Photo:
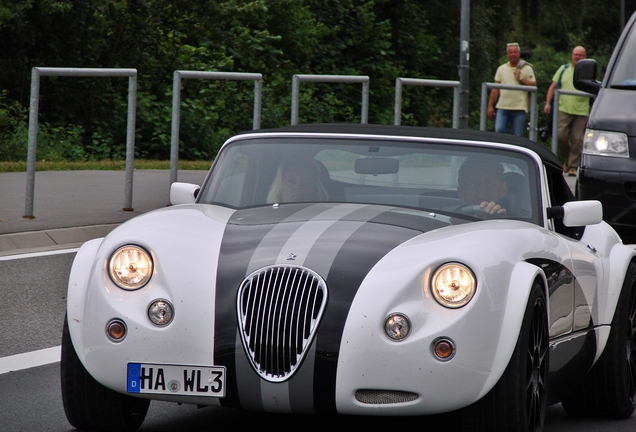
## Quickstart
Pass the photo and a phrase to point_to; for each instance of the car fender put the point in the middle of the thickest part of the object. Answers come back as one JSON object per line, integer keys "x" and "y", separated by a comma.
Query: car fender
{"x": 484, "y": 332}
{"x": 76, "y": 294}
{"x": 522, "y": 279}
{"x": 620, "y": 258}
{"x": 183, "y": 275}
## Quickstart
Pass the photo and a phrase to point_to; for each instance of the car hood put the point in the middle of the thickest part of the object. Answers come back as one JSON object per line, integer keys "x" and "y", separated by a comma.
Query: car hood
{"x": 614, "y": 110}
{"x": 340, "y": 242}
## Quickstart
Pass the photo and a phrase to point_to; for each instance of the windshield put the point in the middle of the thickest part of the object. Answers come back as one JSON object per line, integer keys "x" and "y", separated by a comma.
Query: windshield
{"x": 441, "y": 178}
{"x": 624, "y": 73}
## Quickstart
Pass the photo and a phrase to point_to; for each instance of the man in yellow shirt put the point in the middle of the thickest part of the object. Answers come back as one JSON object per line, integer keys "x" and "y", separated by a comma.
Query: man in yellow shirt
{"x": 512, "y": 105}
{"x": 573, "y": 114}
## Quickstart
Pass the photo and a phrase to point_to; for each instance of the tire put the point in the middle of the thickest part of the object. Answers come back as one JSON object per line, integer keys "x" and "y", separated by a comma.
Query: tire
{"x": 609, "y": 389}
{"x": 518, "y": 402}
{"x": 88, "y": 404}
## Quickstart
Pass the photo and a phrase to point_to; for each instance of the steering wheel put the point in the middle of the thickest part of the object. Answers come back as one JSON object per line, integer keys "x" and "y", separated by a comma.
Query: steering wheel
{"x": 478, "y": 212}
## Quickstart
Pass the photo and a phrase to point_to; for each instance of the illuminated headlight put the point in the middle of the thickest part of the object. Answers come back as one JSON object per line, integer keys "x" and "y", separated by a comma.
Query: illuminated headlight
{"x": 397, "y": 327}
{"x": 605, "y": 143}
{"x": 453, "y": 285}
{"x": 130, "y": 267}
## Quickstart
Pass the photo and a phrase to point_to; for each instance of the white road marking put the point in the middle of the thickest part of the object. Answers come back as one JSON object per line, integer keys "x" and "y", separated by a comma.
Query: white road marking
{"x": 38, "y": 254}
{"x": 34, "y": 358}
{"x": 29, "y": 360}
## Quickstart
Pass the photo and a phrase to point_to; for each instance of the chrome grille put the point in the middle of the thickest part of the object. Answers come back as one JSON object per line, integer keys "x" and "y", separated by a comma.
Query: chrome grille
{"x": 279, "y": 309}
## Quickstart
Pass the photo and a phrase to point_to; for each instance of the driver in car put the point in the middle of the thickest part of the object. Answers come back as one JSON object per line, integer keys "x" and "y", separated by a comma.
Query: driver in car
{"x": 480, "y": 183}
{"x": 297, "y": 180}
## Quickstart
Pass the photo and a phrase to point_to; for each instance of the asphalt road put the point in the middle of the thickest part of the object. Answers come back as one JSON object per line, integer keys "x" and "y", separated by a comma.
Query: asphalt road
{"x": 30, "y": 401}
{"x": 33, "y": 290}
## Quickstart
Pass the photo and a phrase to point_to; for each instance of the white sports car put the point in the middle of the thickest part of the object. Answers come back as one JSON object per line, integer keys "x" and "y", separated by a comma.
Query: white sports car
{"x": 362, "y": 270}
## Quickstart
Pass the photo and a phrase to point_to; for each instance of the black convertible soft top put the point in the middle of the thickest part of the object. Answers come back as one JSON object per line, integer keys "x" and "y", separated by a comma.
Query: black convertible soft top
{"x": 424, "y": 132}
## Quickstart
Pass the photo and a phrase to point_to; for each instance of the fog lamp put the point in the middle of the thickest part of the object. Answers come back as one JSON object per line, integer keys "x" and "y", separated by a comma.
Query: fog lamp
{"x": 160, "y": 312}
{"x": 116, "y": 330}
{"x": 397, "y": 327}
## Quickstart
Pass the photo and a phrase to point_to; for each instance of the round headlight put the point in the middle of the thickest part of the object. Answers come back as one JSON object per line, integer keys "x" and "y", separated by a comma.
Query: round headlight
{"x": 453, "y": 285}
{"x": 130, "y": 267}
{"x": 602, "y": 143}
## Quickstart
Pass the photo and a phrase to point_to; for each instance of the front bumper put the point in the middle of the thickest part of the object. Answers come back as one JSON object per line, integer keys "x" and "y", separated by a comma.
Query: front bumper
{"x": 612, "y": 182}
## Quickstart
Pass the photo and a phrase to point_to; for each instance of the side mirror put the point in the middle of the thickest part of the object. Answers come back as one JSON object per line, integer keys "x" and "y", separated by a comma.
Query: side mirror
{"x": 578, "y": 213}
{"x": 183, "y": 193}
{"x": 585, "y": 73}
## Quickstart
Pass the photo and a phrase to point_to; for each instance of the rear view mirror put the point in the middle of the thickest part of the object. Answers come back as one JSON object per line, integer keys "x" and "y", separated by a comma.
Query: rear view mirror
{"x": 377, "y": 165}
{"x": 585, "y": 73}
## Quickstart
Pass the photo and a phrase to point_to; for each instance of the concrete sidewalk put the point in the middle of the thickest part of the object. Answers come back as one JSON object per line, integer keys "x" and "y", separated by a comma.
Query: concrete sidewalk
{"x": 71, "y": 207}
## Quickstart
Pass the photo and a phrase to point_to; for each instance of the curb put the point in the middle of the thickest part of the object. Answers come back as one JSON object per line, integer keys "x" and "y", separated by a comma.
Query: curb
{"x": 35, "y": 241}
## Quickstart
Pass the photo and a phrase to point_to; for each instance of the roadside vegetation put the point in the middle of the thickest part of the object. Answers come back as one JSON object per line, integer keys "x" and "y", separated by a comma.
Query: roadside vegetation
{"x": 107, "y": 165}
{"x": 83, "y": 120}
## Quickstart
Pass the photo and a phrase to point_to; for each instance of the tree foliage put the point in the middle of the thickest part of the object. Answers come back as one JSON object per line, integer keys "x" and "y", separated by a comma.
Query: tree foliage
{"x": 382, "y": 39}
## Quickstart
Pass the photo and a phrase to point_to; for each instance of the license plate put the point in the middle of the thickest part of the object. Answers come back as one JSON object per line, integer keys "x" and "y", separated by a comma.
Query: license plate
{"x": 176, "y": 379}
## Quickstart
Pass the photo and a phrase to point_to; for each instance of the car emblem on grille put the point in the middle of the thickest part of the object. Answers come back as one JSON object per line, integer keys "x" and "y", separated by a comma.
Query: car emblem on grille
{"x": 291, "y": 256}
{"x": 279, "y": 309}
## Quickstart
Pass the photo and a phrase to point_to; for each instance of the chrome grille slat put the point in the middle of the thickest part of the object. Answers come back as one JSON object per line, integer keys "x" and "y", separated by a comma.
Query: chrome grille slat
{"x": 279, "y": 309}
{"x": 288, "y": 288}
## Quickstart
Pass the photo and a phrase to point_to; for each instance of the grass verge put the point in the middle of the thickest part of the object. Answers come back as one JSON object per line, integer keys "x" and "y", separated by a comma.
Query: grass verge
{"x": 108, "y": 165}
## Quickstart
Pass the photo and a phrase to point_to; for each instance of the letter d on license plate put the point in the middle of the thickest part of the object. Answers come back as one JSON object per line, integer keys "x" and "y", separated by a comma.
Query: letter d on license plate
{"x": 176, "y": 379}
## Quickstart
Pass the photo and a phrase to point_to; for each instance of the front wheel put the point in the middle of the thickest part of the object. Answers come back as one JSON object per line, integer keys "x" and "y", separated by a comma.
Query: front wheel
{"x": 518, "y": 402}
{"x": 88, "y": 404}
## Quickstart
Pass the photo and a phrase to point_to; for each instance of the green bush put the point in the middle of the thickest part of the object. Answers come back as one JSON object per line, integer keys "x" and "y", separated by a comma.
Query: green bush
{"x": 13, "y": 129}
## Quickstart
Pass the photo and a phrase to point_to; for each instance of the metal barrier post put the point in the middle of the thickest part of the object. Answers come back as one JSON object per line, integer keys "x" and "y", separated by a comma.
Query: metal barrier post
{"x": 176, "y": 105}
{"x": 555, "y": 114}
{"x": 296, "y": 79}
{"x": 532, "y": 133}
{"x": 428, "y": 83}
{"x": 36, "y": 73}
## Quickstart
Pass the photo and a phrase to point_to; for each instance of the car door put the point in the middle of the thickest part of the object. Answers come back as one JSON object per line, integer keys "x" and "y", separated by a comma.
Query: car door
{"x": 584, "y": 266}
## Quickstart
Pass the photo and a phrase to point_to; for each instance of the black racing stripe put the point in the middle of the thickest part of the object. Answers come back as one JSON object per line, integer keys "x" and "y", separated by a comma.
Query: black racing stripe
{"x": 237, "y": 248}
{"x": 243, "y": 233}
{"x": 354, "y": 260}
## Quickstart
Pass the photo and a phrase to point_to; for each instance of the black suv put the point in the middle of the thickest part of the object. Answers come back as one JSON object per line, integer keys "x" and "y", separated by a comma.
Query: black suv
{"x": 608, "y": 163}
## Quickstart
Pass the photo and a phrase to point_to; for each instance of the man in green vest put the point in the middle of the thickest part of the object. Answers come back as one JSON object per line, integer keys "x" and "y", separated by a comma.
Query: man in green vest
{"x": 573, "y": 113}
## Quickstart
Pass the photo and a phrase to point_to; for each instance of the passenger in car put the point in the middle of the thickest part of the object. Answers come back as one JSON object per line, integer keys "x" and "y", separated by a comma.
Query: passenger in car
{"x": 480, "y": 182}
{"x": 297, "y": 180}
